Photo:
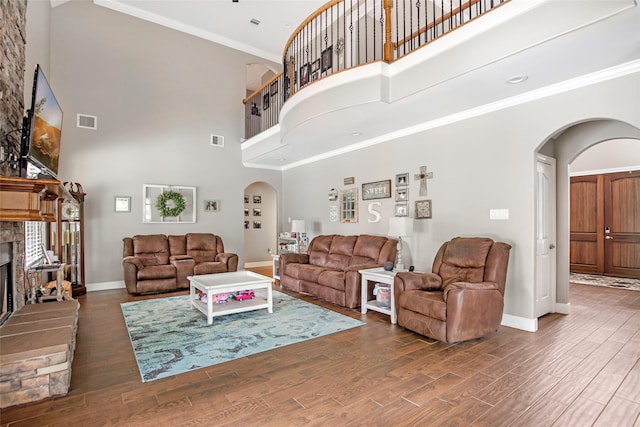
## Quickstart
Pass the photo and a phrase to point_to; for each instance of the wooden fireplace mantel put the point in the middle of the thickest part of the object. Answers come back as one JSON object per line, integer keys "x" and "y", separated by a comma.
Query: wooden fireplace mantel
{"x": 23, "y": 199}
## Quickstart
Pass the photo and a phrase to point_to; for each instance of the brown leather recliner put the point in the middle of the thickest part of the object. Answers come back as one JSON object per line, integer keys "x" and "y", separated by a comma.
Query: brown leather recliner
{"x": 462, "y": 298}
{"x": 160, "y": 263}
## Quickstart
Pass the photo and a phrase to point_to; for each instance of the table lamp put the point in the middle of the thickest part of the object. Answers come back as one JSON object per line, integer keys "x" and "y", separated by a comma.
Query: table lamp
{"x": 400, "y": 226}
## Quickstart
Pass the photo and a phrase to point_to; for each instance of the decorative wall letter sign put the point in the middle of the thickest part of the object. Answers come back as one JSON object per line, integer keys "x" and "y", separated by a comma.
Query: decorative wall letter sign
{"x": 375, "y": 213}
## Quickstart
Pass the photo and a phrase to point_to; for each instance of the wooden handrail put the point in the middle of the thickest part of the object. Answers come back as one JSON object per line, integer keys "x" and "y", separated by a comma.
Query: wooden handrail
{"x": 304, "y": 23}
{"x": 257, "y": 91}
{"x": 438, "y": 21}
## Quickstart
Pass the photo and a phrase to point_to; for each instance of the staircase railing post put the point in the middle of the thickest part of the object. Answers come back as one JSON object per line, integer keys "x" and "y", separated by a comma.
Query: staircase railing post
{"x": 388, "y": 43}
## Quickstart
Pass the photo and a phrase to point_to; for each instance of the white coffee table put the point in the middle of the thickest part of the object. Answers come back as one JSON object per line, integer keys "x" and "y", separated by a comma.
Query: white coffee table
{"x": 235, "y": 281}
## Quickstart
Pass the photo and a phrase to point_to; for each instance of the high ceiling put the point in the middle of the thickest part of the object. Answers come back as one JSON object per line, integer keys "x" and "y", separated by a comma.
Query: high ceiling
{"x": 226, "y": 22}
{"x": 558, "y": 45}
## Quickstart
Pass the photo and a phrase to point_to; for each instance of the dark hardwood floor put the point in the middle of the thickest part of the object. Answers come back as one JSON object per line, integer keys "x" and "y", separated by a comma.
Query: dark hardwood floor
{"x": 579, "y": 369}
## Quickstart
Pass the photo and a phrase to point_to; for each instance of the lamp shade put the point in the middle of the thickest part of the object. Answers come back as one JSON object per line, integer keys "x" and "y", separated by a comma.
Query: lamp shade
{"x": 400, "y": 226}
{"x": 297, "y": 226}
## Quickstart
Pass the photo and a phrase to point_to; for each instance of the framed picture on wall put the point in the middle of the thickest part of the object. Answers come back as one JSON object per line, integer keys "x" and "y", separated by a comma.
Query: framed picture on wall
{"x": 402, "y": 180}
{"x": 402, "y": 194}
{"x": 257, "y": 199}
{"x": 423, "y": 209}
{"x": 327, "y": 58}
{"x": 211, "y": 205}
{"x": 402, "y": 209}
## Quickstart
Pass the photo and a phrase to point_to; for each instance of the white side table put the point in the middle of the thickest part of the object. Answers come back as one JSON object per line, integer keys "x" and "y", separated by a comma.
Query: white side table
{"x": 276, "y": 267}
{"x": 379, "y": 275}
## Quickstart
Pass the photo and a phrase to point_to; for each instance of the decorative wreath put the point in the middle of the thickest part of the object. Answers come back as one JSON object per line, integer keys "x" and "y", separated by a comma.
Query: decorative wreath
{"x": 176, "y": 198}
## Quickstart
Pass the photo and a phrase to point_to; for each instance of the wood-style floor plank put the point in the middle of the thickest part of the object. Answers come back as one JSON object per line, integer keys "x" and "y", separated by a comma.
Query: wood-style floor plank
{"x": 580, "y": 369}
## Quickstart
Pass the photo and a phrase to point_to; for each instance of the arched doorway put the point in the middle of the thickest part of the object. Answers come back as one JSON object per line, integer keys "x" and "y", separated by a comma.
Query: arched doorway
{"x": 565, "y": 147}
{"x": 260, "y": 224}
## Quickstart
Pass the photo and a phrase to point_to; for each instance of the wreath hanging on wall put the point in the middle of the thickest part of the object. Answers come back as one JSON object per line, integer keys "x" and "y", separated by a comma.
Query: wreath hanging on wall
{"x": 168, "y": 198}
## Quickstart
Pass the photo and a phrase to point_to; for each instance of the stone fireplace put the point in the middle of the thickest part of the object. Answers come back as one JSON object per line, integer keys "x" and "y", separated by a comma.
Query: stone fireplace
{"x": 6, "y": 281}
{"x": 12, "y": 257}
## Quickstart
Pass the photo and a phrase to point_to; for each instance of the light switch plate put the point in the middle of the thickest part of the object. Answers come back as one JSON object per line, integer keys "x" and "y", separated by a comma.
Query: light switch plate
{"x": 498, "y": 213}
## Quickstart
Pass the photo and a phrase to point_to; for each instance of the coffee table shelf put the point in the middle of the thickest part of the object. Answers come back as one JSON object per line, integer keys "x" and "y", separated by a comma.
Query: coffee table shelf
{"x": 219, "y": 283}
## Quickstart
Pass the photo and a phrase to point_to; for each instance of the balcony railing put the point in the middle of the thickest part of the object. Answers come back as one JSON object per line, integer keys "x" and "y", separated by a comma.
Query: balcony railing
{"x": 344, "y": 34}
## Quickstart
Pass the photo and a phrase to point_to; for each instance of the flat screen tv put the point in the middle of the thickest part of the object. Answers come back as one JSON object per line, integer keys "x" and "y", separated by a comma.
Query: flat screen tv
{"x": 42, "y": 128}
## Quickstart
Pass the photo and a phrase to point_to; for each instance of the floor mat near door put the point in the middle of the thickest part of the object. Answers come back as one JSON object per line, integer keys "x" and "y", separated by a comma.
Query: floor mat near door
{"x": 607, "y": 281}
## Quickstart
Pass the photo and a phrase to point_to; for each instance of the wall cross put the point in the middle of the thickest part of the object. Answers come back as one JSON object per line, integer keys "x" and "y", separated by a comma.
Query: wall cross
{"x": 423, "y": 176}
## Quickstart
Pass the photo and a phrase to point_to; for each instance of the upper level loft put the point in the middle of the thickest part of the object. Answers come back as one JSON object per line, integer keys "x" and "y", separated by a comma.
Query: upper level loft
{"x": 361, "y": 72}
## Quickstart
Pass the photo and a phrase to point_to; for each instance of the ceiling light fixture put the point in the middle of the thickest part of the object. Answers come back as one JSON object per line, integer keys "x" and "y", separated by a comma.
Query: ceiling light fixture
{"x": 517, "y": 79}
{"x": 255, "y": 21}
{"x": 356, "y": 133}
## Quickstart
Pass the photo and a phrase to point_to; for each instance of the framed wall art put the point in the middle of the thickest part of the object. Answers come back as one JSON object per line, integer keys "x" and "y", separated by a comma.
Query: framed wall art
{"x": 327, "y": 58}
{"x": 349, "y": 206}
{"x": 402, "y": 194}
{"x": 211, "y": 205}
{"x": 402, "y": 179}
{"x": 376, "y": 190}
{"x": 402, "y": 209}
{"x": 423, "y": 209}
{"x": 168, "y": 203}
{"x": 122, "y": 204}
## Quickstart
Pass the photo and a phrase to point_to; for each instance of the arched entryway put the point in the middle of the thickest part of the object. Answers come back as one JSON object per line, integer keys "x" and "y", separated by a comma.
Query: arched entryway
{"x": 260, "y": 224}
{"x": 565, "y": 147}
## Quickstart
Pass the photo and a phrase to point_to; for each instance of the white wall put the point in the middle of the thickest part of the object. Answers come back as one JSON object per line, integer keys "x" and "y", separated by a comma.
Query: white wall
{"x": 478, "y": 164}
{"x": 158, "y": 95}
{"x": 38, "y": 48}
{"x": 261, "y": 243}
{"x": 608, "y": 156}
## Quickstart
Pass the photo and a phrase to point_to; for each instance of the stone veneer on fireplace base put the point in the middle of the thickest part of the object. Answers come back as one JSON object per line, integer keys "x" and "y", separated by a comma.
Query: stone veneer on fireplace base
{"x": 36, "y": 350}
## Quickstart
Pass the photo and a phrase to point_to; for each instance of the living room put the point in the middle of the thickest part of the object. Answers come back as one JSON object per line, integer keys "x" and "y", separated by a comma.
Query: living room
{"x": 158, "y": 95}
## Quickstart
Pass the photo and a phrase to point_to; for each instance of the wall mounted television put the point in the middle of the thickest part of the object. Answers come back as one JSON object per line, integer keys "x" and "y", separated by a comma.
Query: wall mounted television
{"x": 41, "y": 130}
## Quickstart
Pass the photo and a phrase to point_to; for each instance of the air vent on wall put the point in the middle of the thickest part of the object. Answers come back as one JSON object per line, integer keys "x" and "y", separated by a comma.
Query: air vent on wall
{"x": 86, "y": 121}
{"x": 217, "y": 140}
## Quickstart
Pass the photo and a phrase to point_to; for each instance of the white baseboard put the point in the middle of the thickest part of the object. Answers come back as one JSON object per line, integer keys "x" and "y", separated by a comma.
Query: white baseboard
{"x": 517, "y": 322}
{"x": 105, "y": 286}
{"x": 258, "y": 264}
{"x": 562, "y": 308}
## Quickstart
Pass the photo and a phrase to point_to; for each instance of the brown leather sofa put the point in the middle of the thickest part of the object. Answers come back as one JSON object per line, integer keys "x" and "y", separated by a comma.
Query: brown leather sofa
{"x": 160, "y": 263}
{"x": 330, "y": 268}
{"x": 462, "y": 298}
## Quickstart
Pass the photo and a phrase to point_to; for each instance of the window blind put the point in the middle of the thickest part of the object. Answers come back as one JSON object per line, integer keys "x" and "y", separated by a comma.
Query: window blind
{"x": 32, "y": 241}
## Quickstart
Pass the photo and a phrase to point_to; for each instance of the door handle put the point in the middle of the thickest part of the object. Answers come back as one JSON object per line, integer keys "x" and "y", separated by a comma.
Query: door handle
{"x": 608, "y": 237}
{"x": 552, "y": 246}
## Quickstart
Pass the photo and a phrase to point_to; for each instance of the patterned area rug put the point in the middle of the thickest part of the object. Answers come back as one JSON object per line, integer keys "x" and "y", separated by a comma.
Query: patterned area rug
{"x": 607, "y": 281}
{"x": 170, "y": 337}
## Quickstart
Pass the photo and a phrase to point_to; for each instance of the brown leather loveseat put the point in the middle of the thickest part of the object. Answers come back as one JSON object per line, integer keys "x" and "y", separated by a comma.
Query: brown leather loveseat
{"x": 462, "y": 298}
{"x": 160, "y": 263}
{"x": 330, "y": 268}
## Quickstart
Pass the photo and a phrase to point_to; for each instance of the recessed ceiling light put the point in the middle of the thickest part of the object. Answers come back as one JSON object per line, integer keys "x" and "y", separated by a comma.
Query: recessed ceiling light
{"x": 255, "y": 21}
{"x": 517, "y": 79}
{"x": 282, "y": 159}
{"x": 356, "y": 133}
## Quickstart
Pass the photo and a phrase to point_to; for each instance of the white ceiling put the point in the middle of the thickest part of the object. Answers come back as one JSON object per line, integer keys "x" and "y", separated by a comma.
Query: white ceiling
{"x": 226, "y": 22}
{"x": 557, "y": 44}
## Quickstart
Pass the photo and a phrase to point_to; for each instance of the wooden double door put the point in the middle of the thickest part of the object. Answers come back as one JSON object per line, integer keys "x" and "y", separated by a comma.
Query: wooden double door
{"x": 605, "y": 224}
